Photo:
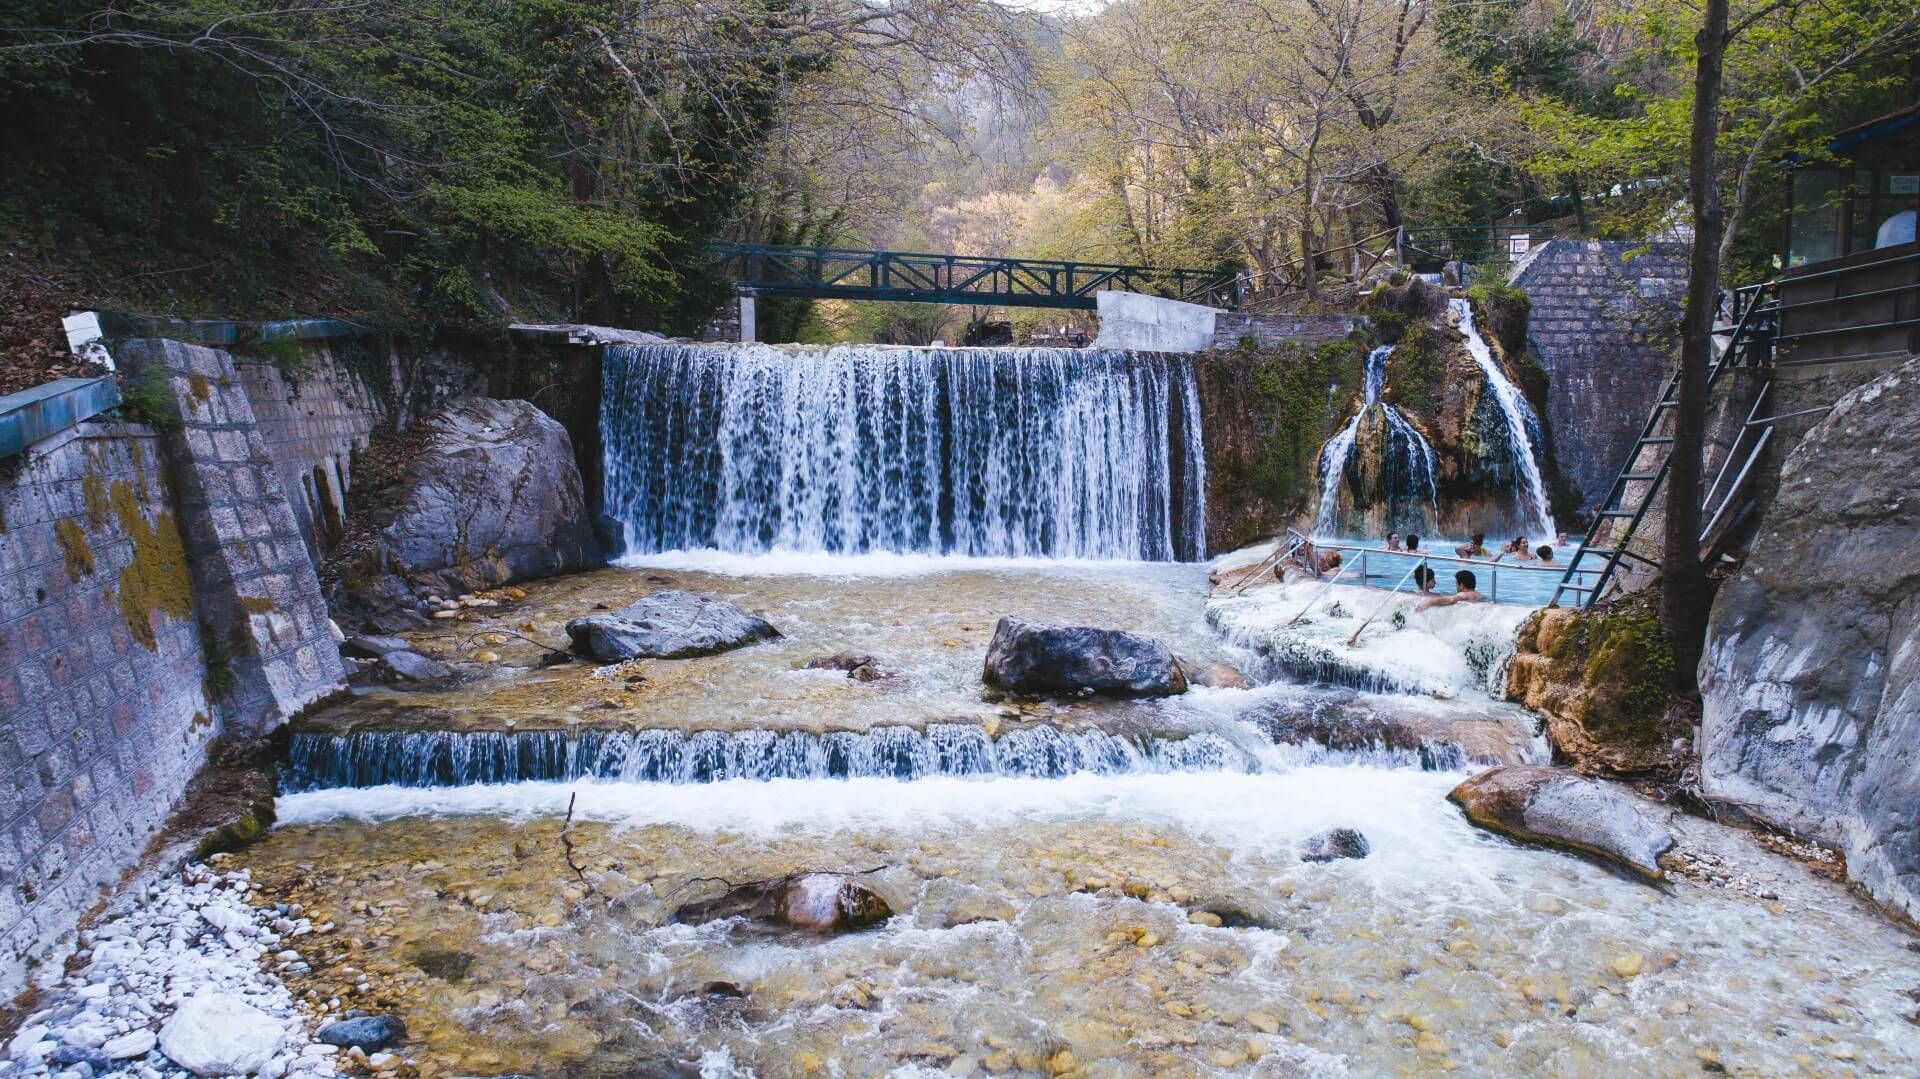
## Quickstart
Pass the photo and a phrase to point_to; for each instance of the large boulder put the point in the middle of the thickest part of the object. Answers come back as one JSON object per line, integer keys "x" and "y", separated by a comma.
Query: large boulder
{"x": 1810, "y": 682}
{"x": 1542, "y": 805}
{"x": 1027, "y": 657}
{"x": 489, "y": 495}
{"x": 667, "y": 625}
{"x": 215, "y": 1033}
{"x": 1599, "y": 679}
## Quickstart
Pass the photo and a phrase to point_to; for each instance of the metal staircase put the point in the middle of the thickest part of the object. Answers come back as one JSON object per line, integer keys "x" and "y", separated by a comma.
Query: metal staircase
{"x": 1748, "y": 331}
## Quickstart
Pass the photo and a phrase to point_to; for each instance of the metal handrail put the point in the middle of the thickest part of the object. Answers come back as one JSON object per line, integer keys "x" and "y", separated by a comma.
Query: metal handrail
{"x": 1355, "y": 639}
{"x": 1567, "y": 571}
{"x": 1344, "y": 567}
{"x": 1261, "y": 567}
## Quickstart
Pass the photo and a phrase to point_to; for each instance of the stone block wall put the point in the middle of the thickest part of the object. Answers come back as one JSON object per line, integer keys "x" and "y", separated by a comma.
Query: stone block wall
{"x": 1269, "y": 330}
{"x": 1604, "y": 323}
{"x": 254, "y": 580}
{"x": 311, "y": 425}
{"x": 103, "y": 705}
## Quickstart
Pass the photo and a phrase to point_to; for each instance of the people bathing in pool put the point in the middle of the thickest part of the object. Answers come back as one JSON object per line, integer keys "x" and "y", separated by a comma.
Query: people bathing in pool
{"x": 1476, "y": 549}
{"x": 1517, "y": 550}
{"x": 1546, "y": 555}
{"x": 1311, "y": 561}
{"x": 1393, "y": 542}
{"x": 1423, "y": 578}
{"x": 1413, "y": 542}
{"x": 1464, "y": 591}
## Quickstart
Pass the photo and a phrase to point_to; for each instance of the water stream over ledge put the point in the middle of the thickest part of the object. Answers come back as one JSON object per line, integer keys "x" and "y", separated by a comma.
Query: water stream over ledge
{"x": 1055, "y": 867}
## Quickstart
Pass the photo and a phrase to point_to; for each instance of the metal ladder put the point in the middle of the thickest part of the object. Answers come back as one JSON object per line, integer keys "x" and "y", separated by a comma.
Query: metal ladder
{"x": 1749, "y": 333}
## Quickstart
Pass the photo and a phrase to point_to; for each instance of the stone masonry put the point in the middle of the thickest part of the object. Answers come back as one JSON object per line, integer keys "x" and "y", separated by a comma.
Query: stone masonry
{"x": 103, "y": 710}
{"x": 254, "y": 581}
{"x": 1269, "y": 330}
{"x": 311, "y": 426}
{"x": 1605, "y": 316}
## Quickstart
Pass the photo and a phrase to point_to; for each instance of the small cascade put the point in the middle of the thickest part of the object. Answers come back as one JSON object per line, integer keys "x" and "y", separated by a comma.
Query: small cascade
{"x": 1522, "y": 427}
{"x": 461, "y": 758}
{"x": 1394, "y": 472}
{"x": 1008, "y": 452}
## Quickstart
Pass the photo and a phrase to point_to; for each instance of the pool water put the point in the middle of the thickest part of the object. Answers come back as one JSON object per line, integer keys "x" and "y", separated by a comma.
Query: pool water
{"x": 1529, "y": 584}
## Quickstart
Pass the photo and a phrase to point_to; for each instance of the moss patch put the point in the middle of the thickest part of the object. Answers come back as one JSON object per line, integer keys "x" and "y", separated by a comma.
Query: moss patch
{"x": 1629, "y": 666}
{"x": 256, "y": 604}
{"x": 197, "y": 386}
{"x": 93, "y": 490}
{"x": 73, "y": 547}
{"x": 155, "y": 580}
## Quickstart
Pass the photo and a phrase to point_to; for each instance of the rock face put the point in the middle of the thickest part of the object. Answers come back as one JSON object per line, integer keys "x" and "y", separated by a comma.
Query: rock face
{"x": 492, "y": 496}
{"x": 1028, "y": 657}
{"x": 1599, "y": 680}
{"x": 1541, "y": 805}
{"x": 667, "y": 625}
{"x": 817, "y": 902}
{"x": 1810, "y": 683}
{"x": 217, "y": 1034}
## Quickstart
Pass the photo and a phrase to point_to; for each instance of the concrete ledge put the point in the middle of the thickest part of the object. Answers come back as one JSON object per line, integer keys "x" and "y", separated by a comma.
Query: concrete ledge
{"x": 222, "y": 332}
{"x": 33, "y": 415}
{"x": 581, "y": 334}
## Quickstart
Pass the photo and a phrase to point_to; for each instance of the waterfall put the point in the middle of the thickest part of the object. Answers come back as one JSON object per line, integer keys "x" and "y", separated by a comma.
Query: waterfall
{"x": 1027, "y": 452}
{"x": 1523, "y": 427}
{"x": 1406, "y": 463}
{"x": 459, "y": 758}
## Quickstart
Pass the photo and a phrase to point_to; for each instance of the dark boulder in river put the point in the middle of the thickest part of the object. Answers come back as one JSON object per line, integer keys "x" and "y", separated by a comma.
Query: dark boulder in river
{"x": 818, "y": 902}
{"x": 1810, "y": 686}
{"x": 667, "y": 625}
{"x": 1027, "y": 657}
{"x": 1542, "y": 805}
{"x": 1334, "y": 844}
{"x": 489, "y": 495}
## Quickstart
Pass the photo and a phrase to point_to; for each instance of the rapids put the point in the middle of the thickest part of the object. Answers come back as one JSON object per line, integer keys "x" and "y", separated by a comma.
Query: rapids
{"x": 1056, "y": 868}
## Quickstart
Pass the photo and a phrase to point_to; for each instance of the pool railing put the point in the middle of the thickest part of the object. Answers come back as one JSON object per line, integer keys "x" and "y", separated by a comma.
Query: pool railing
{"x": 1547, "y": 576}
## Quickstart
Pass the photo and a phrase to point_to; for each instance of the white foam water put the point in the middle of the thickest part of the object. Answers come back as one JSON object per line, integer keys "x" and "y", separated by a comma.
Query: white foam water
{"x": 1024, "y": 453}
{"x": 1418, "y": 838}
{"x": 1522, "y": 424}
{"x": 1408, "y": 468}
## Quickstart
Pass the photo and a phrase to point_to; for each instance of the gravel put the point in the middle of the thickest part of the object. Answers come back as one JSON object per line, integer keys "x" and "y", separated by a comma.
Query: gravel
{"x": 193, "y": 937}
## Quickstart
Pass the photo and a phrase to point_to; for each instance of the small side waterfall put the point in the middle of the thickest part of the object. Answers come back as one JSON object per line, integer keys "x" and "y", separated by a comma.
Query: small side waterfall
{"x": 460, "y": 758}
{"x": 1031, "y": 452}
{"x": 1523, "y": 426}
{"x": 1400, "y": 474}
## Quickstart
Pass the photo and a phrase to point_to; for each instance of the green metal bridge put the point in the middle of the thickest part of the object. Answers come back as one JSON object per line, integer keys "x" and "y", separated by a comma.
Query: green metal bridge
{"x": 853, "y": 274}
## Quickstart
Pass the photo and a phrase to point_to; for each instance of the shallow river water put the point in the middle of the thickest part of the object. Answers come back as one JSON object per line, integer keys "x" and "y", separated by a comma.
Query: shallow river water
{"x": 1042, "y": 925}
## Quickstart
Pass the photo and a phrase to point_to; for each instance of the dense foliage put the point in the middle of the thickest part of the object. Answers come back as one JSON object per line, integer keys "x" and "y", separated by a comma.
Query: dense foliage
{"x": 410, "y": 158}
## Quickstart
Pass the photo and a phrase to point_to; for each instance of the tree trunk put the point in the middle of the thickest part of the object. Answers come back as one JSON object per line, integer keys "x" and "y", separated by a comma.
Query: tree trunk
{"x": 1683, "y": 579}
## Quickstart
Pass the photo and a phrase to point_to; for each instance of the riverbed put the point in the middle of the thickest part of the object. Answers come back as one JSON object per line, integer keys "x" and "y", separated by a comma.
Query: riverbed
{"x": 1151, "y": 920}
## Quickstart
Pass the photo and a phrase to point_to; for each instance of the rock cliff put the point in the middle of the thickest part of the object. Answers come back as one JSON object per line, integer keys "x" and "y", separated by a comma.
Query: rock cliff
{"x": 1811, "y": 702}
{"x": 488, "y": 495}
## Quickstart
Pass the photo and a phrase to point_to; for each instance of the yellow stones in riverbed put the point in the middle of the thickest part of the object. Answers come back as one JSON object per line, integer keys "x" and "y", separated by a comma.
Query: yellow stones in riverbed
{"x": 1628, "y": 964}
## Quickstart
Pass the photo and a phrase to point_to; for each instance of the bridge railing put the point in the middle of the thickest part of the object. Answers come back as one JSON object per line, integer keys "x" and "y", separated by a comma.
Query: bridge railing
{"x": 850, "y": 273}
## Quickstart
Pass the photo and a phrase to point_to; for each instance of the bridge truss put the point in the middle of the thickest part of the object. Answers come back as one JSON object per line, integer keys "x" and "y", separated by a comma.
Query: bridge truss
{"x": 852, "y": 274}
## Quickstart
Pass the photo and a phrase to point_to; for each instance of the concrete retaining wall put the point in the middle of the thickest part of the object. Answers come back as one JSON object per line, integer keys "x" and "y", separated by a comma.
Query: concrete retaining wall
{"x": 1604, "y": 326}
{"x": 102, "y": 677}
{"x": 1130, "y": 320}
{"x": 311, "y": 425}
{"x": 254, "y": 580}
{"x": 1266, "y": 331}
